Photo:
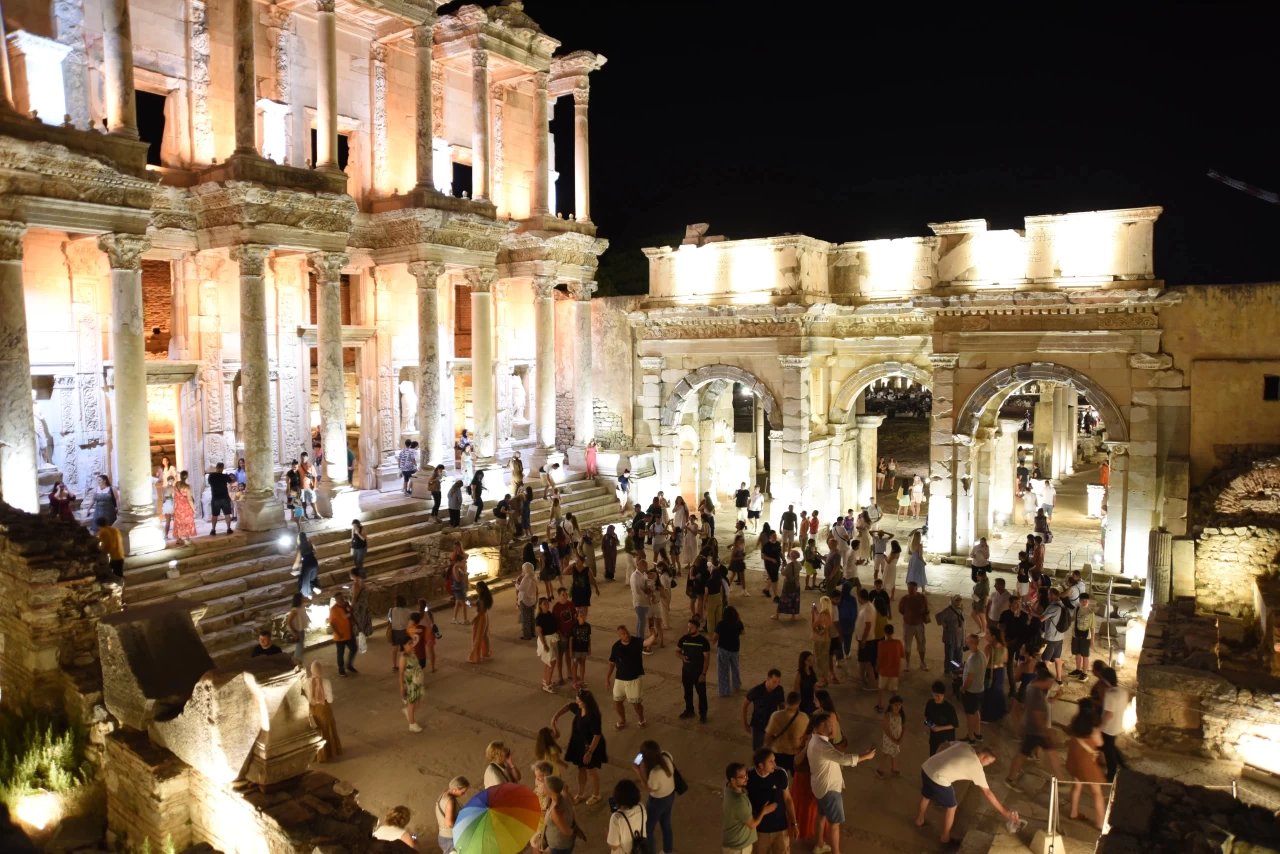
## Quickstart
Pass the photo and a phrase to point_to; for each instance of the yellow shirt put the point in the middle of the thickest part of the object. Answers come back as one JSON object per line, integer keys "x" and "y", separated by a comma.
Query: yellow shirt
{"x": 112, "y": 543}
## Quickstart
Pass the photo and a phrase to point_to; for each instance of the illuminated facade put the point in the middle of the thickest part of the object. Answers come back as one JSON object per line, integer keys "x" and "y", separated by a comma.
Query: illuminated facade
{"x": 341, "y": 217}
{"x": 1071, "y": 303}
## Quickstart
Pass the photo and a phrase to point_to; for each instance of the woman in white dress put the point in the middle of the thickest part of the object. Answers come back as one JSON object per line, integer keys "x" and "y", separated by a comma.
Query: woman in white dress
{"x": 468, "y": 465}
{"x": 890, "y": 574}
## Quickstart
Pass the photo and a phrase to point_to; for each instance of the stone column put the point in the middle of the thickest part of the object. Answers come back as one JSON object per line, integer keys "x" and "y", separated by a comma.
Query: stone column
{"x": 18, "y": 463}
{"x": 982, "y": 456}
{"x": 1060, "y": 429}
{"x": 333, "y": 410}
{"x": 246, "y": 81}
{"x": 280, "y": 28}
{"x": 963, "y": 494}
{"x": 1073, "y": 416}
{"x": 584, "y": 425}
{"x": 199, "y": 80}
{"x": 581, "y": 157}
{"x": 480, "y": 125}
{"x": 1113, "y": 553}
{"x": 868, "y": 443}
{"x": 1004, "y": 466}
{"x": 6, "y": 76}
{"x": 128, "y": 348}
{"x": 378, "y": 118}
{"x": 794, "y": 488}
{"x": 777, "y": 477}
{"x": 327, "y": 94}
{"x": 482, "y": 395}
{"x": 426, "y": 274}
{"x": 942, "y": 456}
{"x": 541, "y": 182}
{"x": 425, "y": 136}
{"x": 836, "y": 494}
{"x": 760, "y": 434}
{"x": 544, "y": 407}
{"x": 260, "y": 510}
{"x": 647, "y": 415}
{"x": 117, "y": 69}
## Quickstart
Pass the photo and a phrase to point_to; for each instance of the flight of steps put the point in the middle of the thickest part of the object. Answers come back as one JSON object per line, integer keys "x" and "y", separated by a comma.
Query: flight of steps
{"x": 243, "y": 586}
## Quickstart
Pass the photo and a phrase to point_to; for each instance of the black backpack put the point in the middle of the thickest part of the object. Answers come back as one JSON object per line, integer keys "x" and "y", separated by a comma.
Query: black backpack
{"x": 1064, "y": 617}
{"x": 639, "y": 842}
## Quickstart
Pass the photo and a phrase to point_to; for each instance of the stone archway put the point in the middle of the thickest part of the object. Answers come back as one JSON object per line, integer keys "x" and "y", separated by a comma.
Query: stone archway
{"x": 841, "y": 409}
{"x": 967, "y": 421}
{"x": 671, "y": 410}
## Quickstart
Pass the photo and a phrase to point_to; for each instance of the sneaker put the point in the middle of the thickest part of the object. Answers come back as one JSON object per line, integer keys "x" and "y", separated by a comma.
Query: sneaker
{"x": 548, "y": 688}
{"x": 924, "y": 667}
{"x": 414, "y": 728}
{"x": 647, "y": 651}
{"x": 822, "y": 849}
{"x": 879, "y": 710}
{"x": 978, "y": 736}
{"x": 1082, "y": 678}
{"x": 351, "y": 669}
{"x": 702, "y": 719}
{"x": 1012, "y": 784}
{"x": 685, "y": 715}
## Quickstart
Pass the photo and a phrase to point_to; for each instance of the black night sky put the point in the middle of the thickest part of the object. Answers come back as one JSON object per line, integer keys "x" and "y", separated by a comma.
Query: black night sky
{"x": 848, "y": 121}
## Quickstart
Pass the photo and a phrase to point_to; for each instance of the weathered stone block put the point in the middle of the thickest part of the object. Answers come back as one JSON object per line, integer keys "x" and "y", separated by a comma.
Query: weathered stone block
{"x": 1167, "y": 379}
{"x": 1150, "y": 361}
{"x": 1107, "y": 362}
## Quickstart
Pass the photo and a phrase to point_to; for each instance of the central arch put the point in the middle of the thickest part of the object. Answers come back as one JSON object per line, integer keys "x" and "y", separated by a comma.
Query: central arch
{"x": 971, "y": 413}
{"x": 842, "y": 405}
{"x": 671, "y": 410}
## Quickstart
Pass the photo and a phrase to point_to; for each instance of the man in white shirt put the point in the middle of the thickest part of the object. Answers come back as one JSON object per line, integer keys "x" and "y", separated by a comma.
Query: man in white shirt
{"x": 1048, "y": 495}
{"x": 864, "y": 634}
{"x": 1114, "y": 703}
{"x": 1052, "y": 636}
{"x": 826, "y": 780}
{"x": 641, "y": 599}
{"x": 939, "y": 774}
{"x": 998, "y": 603}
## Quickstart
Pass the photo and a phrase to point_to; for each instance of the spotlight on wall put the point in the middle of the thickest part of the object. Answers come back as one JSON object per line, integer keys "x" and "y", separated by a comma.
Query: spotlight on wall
{"x": 172, "y": 571}
{"x": 38, "y": 810}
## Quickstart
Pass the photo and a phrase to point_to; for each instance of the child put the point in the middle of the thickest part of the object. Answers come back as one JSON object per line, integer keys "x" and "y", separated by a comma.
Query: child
{"x": 296, "y": 508}
{"x": 580, "y": 649}
{"x": 1081, "y": 637}
{"x": 430, "y": 632}
{"x": 940, "y": 718}
{"x": 889, "y": 655}
{"x": 545, "y": 748}
{"x": 1024, "y": 574}
{"x": 895, "y": 724}
{"x": 812, "y": 561}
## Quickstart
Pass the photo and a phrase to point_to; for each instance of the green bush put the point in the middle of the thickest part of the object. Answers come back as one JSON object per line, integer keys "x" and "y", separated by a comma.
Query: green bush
{"x": 38, "y": 751}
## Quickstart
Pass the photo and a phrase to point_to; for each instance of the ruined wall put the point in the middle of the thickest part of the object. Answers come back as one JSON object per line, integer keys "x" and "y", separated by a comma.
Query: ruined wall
{"x": 612, "y": 366}
{"x": 1227, "y": 562}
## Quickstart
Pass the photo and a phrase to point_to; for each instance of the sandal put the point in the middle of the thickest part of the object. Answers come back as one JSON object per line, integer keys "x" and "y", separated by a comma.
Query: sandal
{"x": 620, "y": 725}
{"x": 642, "y": 724}
{"x": 594, "y": 799}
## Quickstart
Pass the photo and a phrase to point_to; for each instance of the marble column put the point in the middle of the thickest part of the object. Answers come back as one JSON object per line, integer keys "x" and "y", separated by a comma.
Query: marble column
{"x": 246, "y": 80}
{"x": 794, "y": 448}
{"x": 117, "y": 69}
{"x": 540, "y": 185}
{"x": 1073, "y": 420}
{"x": 581, "y": 157}
{"x": 260, "y": 510}
{"x": 544, "y": 407}
{"x": 835, "y": 471}
{"x": 327, "y": 91}
{"x": 983, "y": 457}
{"x": 868, "y": 443}
{"x": 1004, "y": 466}
{"x": 378, "y": 119}
{"x": 427, "y": 274}
{"x": 18, "y": 463}
{"x": 132, "y": 439}
{"x": 425, "y": 135}
{"x": 1060, "y": 429}
{"x": 480, "y": 164}
{"x": 760, "y": 435}
{"x": 333, "y": 409}
{"x": 482, "y": 394}
{"x": 6, "y": 78}
{"x": 1113, "y": 553}
{"x": 942, "y": 456}
{"x": 584, "y": 422}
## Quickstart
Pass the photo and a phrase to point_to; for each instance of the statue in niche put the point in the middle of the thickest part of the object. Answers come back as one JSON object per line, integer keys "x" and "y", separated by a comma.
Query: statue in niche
{"x": 408, "y": 407}
{"x": 44, "y": 441}
{"x": 518, "y": 398}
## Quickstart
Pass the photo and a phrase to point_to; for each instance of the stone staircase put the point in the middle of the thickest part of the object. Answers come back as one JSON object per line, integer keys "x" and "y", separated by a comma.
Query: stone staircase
{"x": 241, "y": 585}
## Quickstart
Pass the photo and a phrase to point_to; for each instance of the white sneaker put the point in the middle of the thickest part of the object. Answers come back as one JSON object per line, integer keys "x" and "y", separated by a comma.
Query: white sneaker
{"x": 414, "y": 728}
{"x": 821, "y": 849}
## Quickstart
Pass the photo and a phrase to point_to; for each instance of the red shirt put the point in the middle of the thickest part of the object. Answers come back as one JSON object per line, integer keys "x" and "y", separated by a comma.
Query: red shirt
{"x": 889, "y": 658}
{"x": 565, "y": 614}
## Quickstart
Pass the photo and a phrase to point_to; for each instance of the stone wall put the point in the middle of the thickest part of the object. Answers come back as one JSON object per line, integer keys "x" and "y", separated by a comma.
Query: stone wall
{"x": 1151, "y": 815}
{"x": 1228, "y": 561}
{"x": 609, "y": 426}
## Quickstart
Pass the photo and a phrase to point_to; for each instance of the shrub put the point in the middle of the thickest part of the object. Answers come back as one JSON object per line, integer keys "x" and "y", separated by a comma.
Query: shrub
{"x": 38, "y": 751}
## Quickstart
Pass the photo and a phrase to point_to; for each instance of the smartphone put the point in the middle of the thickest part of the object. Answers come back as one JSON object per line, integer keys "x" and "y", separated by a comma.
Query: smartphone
{"x": 639, "y": 756}
{"x": 613, "y": 805}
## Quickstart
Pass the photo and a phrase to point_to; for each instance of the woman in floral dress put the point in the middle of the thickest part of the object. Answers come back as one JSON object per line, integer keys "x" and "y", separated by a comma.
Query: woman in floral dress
{"x": 184, "y": 511}
{"x": 410, "y": 682}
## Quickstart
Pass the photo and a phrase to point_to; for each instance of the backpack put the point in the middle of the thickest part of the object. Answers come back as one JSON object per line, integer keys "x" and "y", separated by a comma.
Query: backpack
{"x": 639, "y": 843}
{"x": 1063, "y": 622}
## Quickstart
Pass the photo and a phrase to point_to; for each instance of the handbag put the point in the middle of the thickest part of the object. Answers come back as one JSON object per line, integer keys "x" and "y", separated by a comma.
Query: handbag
{"x": 678, "y": 780}
{"x": 362, "y": 643}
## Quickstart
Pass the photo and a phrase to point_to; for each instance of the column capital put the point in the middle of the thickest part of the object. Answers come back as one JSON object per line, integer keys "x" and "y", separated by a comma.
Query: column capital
{"x": 426, "y": 272}
{"x": 1117, "y": 448}
{"x": 582, "y": 290}
{"x": 481, "y": 279}
{"x": 124, "y": 251}
{"x": 775, "y": 435}
{"x": 944, "y": 360}
{"x": 795, "y": 362}
{"x": 377, "y": 51}
{"x": 11, "y": 234}
{"x": 325, "y": 6}
{"x": 984, "y": 434}
{"x": 581, "y": 96}
{"x": 251, "y": 257}
{"x": 479, "y": 58}
{"x": 279, "y": 17}
{"x": 868, "y": 420}
{"x": 328, "y": 265}
{"x": 424, "y": 33}
{"x": 540, "y": 80}
{"x": 544, "y": 287}
{"x": 652, "y": 364}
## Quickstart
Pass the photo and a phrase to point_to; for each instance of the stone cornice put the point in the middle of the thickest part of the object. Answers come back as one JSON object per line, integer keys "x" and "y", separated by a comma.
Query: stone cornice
{"x": 242, "y": 205}
{"x": 429, "y": 226}
{"x": 52, "y": 171}
{"x": 1098, "y": 300}
{"x": 569, "y": 247}
{"x": 505, "y": 30}
{"x": 802, "y": 241}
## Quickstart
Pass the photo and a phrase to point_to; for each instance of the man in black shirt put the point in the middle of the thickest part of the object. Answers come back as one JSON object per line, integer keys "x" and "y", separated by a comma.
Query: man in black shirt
{"x": 1023, "y": 475}
{"x": 764, "y": 699}
{"x": 788, "y": 524}
{"x": 265, "y": 646}
{"x": 1016, "y": 625}
{"x": 530, "y": 554}
{"x": 503, "y": 508}
{"x": 219, "y": 497}
{"x": 940, "y": 717}
{"x": 771, "y": 554}
{"x": 695, "y": 651}
{"x": 627, "y": 659}
{"x": 293, "y": 480}
{"x": 769, "y": 784}
{"x": 741, "y": 500}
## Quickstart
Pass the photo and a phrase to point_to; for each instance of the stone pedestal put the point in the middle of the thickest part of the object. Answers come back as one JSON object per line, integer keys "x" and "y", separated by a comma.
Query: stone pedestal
{"x": 260, "y": 510}
{"x": 868, "y": 443}
{"x": 132, "y": 440}
{"x": 17, "y": 419}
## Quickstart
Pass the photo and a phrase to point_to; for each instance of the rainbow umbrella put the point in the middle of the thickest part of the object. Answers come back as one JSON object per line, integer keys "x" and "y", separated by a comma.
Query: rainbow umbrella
{"x": 499, "y": 820}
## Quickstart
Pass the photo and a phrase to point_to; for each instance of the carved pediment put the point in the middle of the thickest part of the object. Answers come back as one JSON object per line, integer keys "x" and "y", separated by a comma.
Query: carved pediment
{"x": 238, "y": 203}
{"x": 412, "y": 226}
{"x": 53, "y": 171}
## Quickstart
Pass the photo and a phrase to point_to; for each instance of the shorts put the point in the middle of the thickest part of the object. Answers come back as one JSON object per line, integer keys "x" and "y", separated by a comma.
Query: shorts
{"x": 1080, "y": 646}
{"x": 1031, "y": 743}
{"x": 220, "y": 507}
{"x": 889, "y": 683}
{"x": 772, "y": 843}
{"x": 629, "y": 690}
{"x": 1052, "y": 650}
{"x": 753, "y": 514}
{"x": 579, "y": 655}
{"x": 943, "y": 796}
{"x": 867, "y": 652}
{"x": 831, "y": 807}
{"x": 298, "y": 512}
{"x": 399, "y": 636}
{"x": 562, "y": 646}
{"x": 971, "y": 701}
{"x": 810, "y": 570}
{"x": 308, "y": 496}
